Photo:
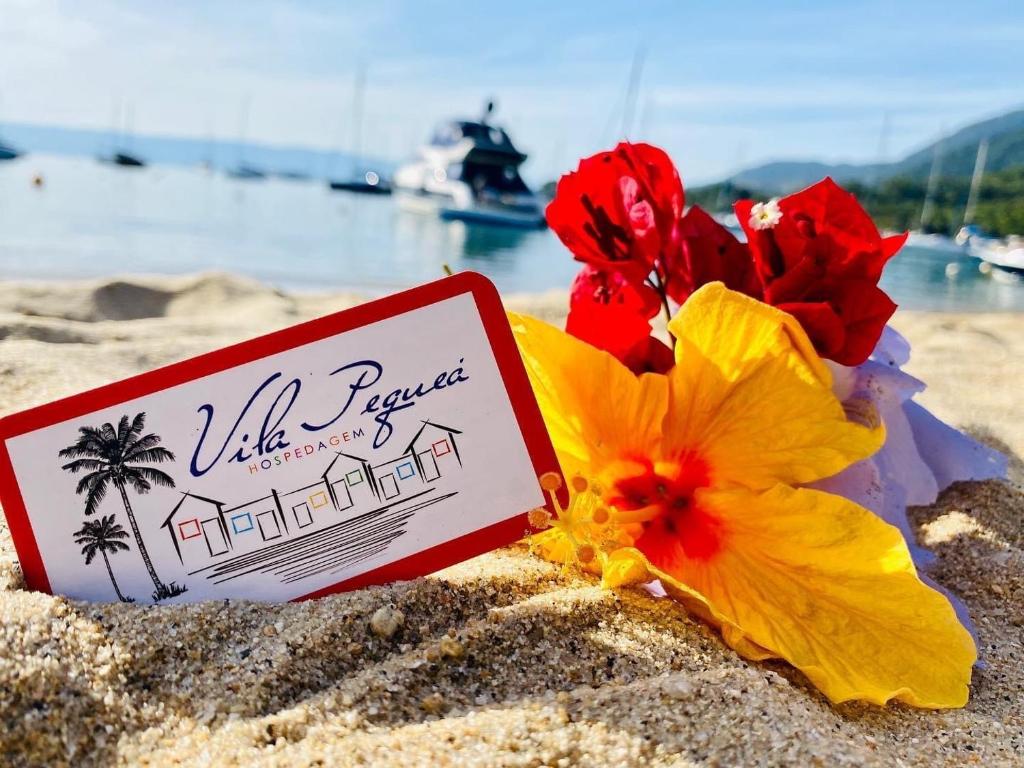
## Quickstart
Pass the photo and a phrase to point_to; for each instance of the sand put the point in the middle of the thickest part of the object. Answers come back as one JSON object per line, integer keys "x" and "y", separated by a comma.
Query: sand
{"x": 499, "y": 661}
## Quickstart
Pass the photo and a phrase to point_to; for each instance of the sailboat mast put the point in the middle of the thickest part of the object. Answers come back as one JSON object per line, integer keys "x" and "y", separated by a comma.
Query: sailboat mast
{"x": 129, "y": 125}
{"x": 358, "y": 88}
{"x": 933, "y": 182}
{"x": 979, "y": 172}
{"x": 629, "y": 107}
{"x": 243, "y": 124}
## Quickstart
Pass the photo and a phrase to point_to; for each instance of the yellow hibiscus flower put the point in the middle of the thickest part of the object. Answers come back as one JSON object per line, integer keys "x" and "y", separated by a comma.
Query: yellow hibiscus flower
{"x": 691, "y": 478}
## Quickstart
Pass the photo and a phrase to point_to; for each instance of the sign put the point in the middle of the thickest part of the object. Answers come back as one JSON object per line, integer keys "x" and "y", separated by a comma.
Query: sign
{"x": 376, "y": 444}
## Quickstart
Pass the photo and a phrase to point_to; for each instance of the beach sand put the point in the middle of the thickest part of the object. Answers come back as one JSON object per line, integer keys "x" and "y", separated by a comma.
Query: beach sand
{"x": 499, "y": 661}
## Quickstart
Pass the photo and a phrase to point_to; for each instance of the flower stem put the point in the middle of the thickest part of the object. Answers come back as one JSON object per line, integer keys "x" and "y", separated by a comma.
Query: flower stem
{"x": 659, "y": 286}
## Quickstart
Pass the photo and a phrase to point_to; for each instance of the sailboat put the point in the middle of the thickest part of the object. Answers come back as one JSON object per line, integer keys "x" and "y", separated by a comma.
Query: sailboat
{"x": 243, "y": 170}
{"x": 968, "y": 231}
{"x": 360, "y": 179}
{"x": 119, "y": 153}
{"x": 1005, "y": 255}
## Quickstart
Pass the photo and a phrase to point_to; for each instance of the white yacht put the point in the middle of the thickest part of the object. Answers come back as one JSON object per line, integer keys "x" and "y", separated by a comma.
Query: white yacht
{"x": 1007, "y": 255}
{"x": 469, "y": 171}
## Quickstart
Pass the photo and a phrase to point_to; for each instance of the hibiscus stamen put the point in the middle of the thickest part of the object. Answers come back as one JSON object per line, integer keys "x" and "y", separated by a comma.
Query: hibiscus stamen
{"x": 638, "y": 515}
{"x": 579, "y": 523}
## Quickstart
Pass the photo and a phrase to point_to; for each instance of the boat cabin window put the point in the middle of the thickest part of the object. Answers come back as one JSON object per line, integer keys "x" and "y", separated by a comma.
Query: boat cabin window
{"x": 446, "y": 135}
{"x": 489, "y": 176}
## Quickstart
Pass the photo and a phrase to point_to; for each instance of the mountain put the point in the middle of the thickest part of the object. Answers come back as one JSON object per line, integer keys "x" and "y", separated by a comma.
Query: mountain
{"x": 59, "y": 140}
{"x": 1006, "y": 150}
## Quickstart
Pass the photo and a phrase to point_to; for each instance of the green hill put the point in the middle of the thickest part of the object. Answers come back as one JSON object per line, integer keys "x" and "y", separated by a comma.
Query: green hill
{"x": 896, "y": 203}
{"x": 959, "y": 149}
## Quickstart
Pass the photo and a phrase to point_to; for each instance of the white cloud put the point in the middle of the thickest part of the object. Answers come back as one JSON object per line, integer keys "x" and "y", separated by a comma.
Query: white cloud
{"x": 186, "y": 70}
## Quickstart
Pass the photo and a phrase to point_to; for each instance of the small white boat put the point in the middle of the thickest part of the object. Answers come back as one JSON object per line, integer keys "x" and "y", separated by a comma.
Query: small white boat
{"x": 469, "y": 171}
{"x": 1007, "y": 255}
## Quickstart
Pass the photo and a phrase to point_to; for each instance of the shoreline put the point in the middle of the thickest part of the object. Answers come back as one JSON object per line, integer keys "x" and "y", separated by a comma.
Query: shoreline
{"x": 540, "y": 666}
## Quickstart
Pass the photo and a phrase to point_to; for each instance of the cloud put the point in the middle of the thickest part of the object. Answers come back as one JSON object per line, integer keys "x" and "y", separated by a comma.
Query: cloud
{"x": 558, "y": 71}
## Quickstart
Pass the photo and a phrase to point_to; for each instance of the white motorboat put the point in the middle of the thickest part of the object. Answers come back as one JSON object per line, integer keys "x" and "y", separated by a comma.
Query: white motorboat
{"x": 469, "y": 171}
{"x": 1007, "y": 255}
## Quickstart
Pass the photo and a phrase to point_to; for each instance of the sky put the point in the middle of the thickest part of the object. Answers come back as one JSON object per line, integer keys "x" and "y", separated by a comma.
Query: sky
{"x": 722, "y": 86}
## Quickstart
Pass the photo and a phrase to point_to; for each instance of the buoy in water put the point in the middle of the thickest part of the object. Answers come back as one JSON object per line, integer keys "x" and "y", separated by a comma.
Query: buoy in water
{"x": 985, "y": 268}
{"x": 952, "y": 270}
{"x": 38, "y": 180}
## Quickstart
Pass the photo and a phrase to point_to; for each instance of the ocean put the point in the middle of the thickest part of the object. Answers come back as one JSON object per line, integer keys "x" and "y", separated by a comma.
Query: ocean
{"x": 88, "y": 219}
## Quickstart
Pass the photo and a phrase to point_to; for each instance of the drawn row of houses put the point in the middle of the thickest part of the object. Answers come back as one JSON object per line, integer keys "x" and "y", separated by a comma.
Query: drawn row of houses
{"x": 204, "y": 530}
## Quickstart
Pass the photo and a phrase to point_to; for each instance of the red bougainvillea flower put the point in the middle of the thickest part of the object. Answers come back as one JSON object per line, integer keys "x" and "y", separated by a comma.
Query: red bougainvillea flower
{"x": 619, "y": 210}
{"x": 709, "y": 252}
{"x": 819, "y": 257}
{"x": 610, "y": 313}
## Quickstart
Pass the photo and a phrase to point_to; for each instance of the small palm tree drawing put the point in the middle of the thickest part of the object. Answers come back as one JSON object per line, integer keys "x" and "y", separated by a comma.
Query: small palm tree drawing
{"x": 119, "y": 457}
{"x": 103, "y": 536}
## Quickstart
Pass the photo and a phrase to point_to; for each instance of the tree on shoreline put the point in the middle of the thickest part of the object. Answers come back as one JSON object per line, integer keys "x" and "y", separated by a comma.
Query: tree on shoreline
{"x": 103, "y": 536}
{"x": 118, "y": 457}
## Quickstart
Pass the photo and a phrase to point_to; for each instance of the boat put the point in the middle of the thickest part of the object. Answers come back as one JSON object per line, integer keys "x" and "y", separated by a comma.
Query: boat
{"x": 246, "y": 172}
{"x": 121, "y": 138}
{"x": 123, "y": 158}
{"x": 7, "y": 152}
{"x": 370, "y": 183}
{"x": 1006, "y": 255}
{"x": 361, "y": 179}
{"x": 469, "y": 171}
{"x": 242, "y": 170}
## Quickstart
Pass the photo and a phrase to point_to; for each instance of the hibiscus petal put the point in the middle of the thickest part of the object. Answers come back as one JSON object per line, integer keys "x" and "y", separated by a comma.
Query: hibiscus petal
{"x": 595, "y": 409}
{"x": 750, "y": 396}
{"x": 829, "y": 587}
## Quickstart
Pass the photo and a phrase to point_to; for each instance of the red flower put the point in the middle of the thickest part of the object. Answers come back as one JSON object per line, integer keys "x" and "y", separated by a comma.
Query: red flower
{"x": 619, "y": 210}
{"x": 709, "y": 252}
{"x": 819, "y": 257}
{"x": 610, "y": 313}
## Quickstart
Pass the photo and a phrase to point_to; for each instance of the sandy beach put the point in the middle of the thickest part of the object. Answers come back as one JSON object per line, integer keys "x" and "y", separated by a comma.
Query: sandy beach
{"x": 502, "y": 660}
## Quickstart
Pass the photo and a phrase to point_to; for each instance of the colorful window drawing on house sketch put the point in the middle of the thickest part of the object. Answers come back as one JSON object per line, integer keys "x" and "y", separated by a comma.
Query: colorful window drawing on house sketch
{"x": 242, "y": 523}
{"x": 189, "y": 529}
{"x": 349, "y": 489}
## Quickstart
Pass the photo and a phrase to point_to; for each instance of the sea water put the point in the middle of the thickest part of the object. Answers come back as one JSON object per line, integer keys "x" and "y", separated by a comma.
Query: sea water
{"x": 87, "y": 219}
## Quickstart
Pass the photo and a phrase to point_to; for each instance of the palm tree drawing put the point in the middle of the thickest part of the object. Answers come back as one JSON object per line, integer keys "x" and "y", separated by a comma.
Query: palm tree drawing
{"x": 103, "y": 536}
{"x": 119, "y": 457}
